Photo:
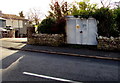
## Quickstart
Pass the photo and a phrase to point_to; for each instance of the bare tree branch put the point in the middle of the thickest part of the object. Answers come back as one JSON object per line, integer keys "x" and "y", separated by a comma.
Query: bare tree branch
{"x": 109, "y": 3}
{"x": 104, "y": 3}
{"x": 34, "y": 15}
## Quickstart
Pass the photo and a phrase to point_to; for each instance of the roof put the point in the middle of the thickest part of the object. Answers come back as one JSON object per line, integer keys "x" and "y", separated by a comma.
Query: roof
{"x": 2, "y": 29}
{"x": 2, "y": 18}
{"x": 12, "y": 16}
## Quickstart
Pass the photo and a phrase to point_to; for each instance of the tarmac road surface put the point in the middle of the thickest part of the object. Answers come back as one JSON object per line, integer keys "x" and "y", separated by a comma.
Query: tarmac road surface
{"x": 41, "y": 67}
{"x": 65, "y": 67}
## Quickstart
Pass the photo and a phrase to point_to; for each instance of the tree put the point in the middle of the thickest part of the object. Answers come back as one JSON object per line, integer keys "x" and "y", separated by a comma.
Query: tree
{"x": 34, "y": 16}
{"x": 58, "y": 10}
{"x": 117, "y": 21}
{"x": 83, "y": 8}
{"x": 55, "y": 22}
{"x": 105, "y": 3}
{"x": 115, "y": 5}
{"x": 106, "y": 21}
{"x": 21, "y": 14}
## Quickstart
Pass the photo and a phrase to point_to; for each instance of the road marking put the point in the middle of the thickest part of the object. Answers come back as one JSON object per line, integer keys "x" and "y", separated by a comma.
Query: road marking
{"x": 14, "y": 63}
{"x": 49, "y": 77}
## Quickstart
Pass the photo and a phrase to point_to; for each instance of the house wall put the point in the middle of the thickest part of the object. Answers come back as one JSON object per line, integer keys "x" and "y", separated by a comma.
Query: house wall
{"x": 18, "y": 25}
{"x": 14, "y": 23}
{"x": 24, "y": 29}
{"x": 8, "y": 22}
{"x": 2, "y": 23}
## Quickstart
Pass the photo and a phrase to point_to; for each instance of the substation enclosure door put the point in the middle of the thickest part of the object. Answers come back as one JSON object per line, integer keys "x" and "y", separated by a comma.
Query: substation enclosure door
{"x": 81, "y": 31}
{"x": 71, "y": 31}
{"x": 92, "y": 29}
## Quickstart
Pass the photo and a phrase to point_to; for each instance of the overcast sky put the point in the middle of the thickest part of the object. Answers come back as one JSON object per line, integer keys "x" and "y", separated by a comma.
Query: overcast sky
{"x": 15, "y": 6}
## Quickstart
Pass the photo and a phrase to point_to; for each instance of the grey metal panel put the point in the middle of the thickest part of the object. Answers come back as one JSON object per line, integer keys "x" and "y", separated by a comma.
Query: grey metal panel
{"x": 92, "y": 32}
{"x": 84, "y": 31}
{"x": 70, "y": 29}
{"x": 85, "y": 34}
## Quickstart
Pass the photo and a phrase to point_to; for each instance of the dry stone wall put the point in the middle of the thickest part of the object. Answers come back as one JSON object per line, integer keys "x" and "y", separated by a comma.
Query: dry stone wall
{"x": 47, "y": 39}
{"x": 111, "y": 43}
{"x": 104, "y": 43}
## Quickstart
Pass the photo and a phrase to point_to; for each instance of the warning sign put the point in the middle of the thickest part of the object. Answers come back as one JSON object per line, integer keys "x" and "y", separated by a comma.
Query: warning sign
{"x": 77, "y": 26}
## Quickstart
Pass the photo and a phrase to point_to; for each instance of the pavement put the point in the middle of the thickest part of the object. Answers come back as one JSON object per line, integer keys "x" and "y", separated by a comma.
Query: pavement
{"x": 21, "y": 44}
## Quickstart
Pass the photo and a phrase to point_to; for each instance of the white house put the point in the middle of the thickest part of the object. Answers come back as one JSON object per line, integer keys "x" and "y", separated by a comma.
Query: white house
{"x": 15, "y": 22}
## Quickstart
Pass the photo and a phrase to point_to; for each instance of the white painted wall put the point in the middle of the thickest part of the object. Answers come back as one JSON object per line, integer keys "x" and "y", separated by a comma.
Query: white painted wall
{"x": 81, "y": 31}
{"x": 14, "y": 23}
{"x": 20, "y": 24}
{"x": 8, "y": 22}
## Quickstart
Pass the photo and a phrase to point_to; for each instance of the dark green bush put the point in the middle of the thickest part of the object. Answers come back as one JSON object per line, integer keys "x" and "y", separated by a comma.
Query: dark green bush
{"x": 60, "y": 25}
{"x": 105, "y": 18}
{"x": 52, "y": 26}
{"x": 46, "y": 25}
{"x": 55, "y": 21}
{"x": 109, "y": 24}
{"x": 117, "y": 20}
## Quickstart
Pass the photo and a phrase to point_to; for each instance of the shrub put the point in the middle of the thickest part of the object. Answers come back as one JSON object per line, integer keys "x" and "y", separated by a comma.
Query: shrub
{"x": 52, "y": 26}
{"x": 117, "y": 21}
{"x": 84, "y": 9}
{"x": 105, "y": 18}
{"x": 55, "y": 21}
{"x": 46, "y": 25}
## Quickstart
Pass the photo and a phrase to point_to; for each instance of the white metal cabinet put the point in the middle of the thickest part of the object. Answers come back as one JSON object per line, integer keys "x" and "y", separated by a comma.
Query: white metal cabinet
{"x": 81, "y": 31}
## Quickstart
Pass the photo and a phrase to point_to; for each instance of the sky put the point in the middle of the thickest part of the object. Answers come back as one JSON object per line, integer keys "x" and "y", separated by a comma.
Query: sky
{"x": 15, "y": 6}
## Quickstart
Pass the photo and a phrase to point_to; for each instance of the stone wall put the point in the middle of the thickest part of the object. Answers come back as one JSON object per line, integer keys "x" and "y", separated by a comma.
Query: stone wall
{"x": 111, "y": 43}
{"x": 30, "y": 31}
{"x": 104, "y": 43}
{"x": 47, "y": 39}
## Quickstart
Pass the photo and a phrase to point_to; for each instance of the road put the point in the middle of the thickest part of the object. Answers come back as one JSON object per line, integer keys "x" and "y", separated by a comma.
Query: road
{"x": 18, "y": 65}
